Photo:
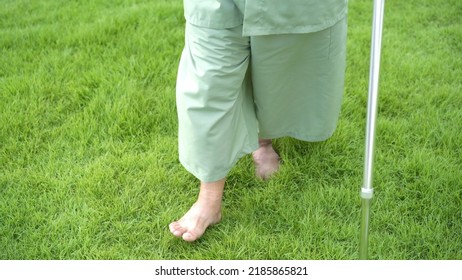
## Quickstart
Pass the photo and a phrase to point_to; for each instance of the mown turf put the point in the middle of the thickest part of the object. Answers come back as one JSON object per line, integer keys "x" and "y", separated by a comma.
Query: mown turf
{"x": 88, "y": 150}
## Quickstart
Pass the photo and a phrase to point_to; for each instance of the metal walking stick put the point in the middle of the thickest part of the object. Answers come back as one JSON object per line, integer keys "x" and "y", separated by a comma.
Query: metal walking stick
{"x": 367, "y": 190}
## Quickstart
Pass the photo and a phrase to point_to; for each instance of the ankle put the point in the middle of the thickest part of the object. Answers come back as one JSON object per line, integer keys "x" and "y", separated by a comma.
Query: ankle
{"x": 264, "y": 142}
{"x": 209, "y": 200}
{"x": 211, "y": 193}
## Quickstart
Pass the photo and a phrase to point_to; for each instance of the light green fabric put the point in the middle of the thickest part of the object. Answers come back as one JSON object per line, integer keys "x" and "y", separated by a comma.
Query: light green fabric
{"x": 212, "y": 13}
{"x": 264, "y": 17}
{"x": 233, "y": 89}
{"x": 217, "y": 123}
{"x": 298, "y": 82}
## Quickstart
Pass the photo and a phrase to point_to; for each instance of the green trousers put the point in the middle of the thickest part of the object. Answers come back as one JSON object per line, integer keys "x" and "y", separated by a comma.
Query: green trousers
{"x": 233, "y": 89}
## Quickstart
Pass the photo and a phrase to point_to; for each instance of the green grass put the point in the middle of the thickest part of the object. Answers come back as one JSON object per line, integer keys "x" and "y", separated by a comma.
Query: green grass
{"x": 88, "y": 151}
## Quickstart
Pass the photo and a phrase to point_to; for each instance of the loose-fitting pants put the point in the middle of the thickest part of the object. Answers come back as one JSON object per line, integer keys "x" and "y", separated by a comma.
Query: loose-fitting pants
{"x": 232, "y": 90}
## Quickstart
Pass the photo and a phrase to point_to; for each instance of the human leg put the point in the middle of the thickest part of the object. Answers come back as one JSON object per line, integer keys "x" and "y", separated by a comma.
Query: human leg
{"x": 298, "y": 82}
{"x": 216, "y": 117}
{"x": 217, "y": 123}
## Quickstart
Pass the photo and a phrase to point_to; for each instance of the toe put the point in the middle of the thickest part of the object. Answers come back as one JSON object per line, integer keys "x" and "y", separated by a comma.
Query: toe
{"x": 265, "y": 172}
{"x": 178, "y": 233}
{"x": 176, "y": 229}
{"x": 190, "y": 236}
{"x": 172, "y": 226}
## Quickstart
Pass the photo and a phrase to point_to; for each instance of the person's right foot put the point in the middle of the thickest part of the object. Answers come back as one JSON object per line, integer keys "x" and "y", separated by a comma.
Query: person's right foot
{"x": 194, "y": 223}
{"x": 204, "y": 213}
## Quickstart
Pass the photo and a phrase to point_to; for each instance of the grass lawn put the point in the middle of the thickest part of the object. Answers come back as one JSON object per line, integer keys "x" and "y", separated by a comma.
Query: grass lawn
{"x": 88, "y": 142}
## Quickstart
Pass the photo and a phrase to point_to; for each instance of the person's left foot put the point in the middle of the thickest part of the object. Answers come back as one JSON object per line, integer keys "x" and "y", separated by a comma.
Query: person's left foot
{"x": 266, "y": 159}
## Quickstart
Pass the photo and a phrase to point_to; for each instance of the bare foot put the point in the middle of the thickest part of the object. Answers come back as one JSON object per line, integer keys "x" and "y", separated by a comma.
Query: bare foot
{"x": 204, "y": 213}
{"x": 266, "y": 159}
